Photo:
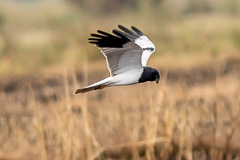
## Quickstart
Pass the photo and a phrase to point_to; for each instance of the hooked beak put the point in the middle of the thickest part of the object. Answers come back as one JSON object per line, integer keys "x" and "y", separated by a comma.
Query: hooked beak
{"x": 157, "y": 80}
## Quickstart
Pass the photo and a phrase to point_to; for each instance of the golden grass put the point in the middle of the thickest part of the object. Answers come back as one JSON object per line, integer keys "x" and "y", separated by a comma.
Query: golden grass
{"x": 192, "y": 114}
{"x": 41, "y": 119}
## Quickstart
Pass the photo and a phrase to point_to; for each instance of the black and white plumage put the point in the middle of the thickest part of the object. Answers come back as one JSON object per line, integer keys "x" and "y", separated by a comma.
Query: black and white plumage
{"x": 126, "y": 53}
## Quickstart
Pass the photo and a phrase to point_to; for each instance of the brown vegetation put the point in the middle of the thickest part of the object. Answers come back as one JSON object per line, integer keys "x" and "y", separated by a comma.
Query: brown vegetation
{"x": 44, "y": 56}
{"x": 192, "y": 114}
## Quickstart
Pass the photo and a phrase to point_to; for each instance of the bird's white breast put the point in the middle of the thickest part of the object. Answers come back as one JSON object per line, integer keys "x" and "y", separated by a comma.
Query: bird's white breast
{"x": 129, "y": 77}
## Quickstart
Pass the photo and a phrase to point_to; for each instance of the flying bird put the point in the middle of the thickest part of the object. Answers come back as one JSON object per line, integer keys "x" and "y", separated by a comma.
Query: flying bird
{"x": 126, "y": 52}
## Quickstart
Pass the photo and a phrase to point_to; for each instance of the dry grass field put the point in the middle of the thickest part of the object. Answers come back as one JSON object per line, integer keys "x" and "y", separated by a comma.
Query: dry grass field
{"x": 193, "y": 114}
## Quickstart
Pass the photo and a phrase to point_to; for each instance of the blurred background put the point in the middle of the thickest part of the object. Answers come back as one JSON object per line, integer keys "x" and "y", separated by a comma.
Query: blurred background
{"x": 45, "y": 56}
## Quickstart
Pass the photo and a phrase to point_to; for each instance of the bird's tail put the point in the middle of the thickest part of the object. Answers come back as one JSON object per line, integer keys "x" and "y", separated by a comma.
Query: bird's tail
{"x": 95, "y": 86}
{"x": 87, "y": 89}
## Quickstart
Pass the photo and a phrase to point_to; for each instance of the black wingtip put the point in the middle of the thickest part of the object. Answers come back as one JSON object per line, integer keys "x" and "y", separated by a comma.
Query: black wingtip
{"x": 128, "y": 31}
{"x": 115, "y": 40}
{"x": 97, "y": 35}
{"x": 137, "y": 31}
{"x": 119, "y": 25}
{"x": 97, "y": 39}
{"x": 104, "y": 33}
{"x": 123, "y": 34}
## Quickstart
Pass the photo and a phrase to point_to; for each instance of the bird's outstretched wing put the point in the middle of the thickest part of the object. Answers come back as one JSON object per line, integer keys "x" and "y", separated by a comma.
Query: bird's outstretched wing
{"x": 127, "y": 49}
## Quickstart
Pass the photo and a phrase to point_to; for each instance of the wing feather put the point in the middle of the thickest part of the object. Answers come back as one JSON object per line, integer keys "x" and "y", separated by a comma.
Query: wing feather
{"x": 124, "y": 50}
{"x": 137, "y": 31}
{"x": 123, "y": 59}
{"x": 128, "y": 31}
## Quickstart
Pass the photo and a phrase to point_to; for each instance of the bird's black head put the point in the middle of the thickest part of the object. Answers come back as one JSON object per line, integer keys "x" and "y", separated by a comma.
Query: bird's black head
{"x": 149, "y": 74}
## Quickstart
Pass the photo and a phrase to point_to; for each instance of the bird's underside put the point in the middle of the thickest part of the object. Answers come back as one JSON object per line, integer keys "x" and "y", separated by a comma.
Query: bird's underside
{"x": 126, "y": 53}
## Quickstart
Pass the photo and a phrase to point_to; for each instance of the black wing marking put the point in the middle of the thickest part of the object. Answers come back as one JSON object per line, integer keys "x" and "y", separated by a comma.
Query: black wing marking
{"x": 137, "y": 31}
{"x": 103, "y": 39}
{"x": 128, "y": 31}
